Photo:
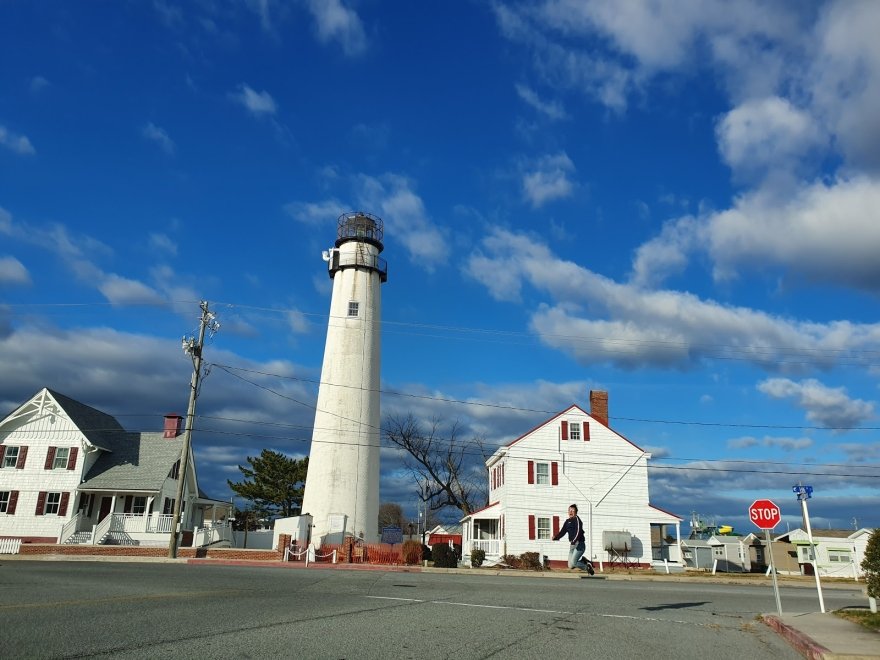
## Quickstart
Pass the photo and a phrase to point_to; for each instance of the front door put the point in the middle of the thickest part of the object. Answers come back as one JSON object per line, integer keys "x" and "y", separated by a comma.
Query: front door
{"x": 106, "y": 503}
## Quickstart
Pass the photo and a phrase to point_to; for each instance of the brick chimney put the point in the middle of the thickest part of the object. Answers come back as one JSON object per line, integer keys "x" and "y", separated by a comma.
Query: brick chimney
{"x": 172, "y": 425}
{"x": 599, "y": 406}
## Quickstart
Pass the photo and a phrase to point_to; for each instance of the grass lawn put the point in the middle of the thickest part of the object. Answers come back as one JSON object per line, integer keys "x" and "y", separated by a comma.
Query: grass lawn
{"x": 861, "y": 616}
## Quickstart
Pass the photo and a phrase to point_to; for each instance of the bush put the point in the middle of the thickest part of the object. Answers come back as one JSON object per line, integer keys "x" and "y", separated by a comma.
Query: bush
{"x": 871, "y": 564}
{"x": 478, "y": 556}
{"x": 531, "y": 561}
{"x": 444, "y": 556}
{"x": 511, "y": 560}
{"x": 426, "y": 553}
{"x": 412, "y": 553}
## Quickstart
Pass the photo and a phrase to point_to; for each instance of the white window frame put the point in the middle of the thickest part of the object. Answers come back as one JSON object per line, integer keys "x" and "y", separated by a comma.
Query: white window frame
{"x": 806, "y": 554}
{"x": 542, "y": 479}
{"x": 840, "y": 556}
{"x": 542, "y": 528}
{"x": 62, "y": 456}
{"x": 4, "y": 500}
{"x": 574, "y": 430}
{"x": 52, "y": 505}
{"x": 139, "y": 505}
{"x": 354, "y": 308}
{"x": 10, "y": 460}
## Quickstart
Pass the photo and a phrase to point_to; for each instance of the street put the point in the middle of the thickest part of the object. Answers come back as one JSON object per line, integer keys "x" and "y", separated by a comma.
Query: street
{"x": 160, "y": 610}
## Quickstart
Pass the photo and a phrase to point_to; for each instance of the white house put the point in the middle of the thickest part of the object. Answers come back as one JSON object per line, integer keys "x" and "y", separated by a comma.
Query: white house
{"x": 838, "y": 552}
{"x": 71, "y": 474}
{"x": 573, "y": 457}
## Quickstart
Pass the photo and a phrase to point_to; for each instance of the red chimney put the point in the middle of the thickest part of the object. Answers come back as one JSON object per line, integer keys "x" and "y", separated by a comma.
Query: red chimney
{"x": 599, "y": 406}
{"x": 172, "y": 425}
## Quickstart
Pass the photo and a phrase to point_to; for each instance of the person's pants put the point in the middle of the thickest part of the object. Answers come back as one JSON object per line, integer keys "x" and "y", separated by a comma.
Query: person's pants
{"x": 575, "y": 556}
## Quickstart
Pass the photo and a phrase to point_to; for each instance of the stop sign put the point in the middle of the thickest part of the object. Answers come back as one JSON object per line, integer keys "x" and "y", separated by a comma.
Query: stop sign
{"x": 765, "y": 514}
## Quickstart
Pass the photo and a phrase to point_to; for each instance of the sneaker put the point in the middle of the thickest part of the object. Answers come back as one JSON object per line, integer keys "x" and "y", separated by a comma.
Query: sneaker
{"x": 590, "y": 570}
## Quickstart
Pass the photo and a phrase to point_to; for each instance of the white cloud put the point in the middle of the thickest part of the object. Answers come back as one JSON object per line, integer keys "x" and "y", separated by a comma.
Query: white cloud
{"x": 38, "y": 84}
{"x": 316, "y": 214}
{"x": 786, "y": 444}
{"x": 159, "y": 136}
{"x": 298, "y": 322}
{"x": 163, "y": 244}
{"x": 17, "y": 143}
{"x": 406, "y": 220}
{"x": 548, "y": 179}
{"x": 596, "y": 320}
{"x": 13, "y": 272}
{"x": 550, "y": 109}
{"x": 336, "y": 22}
{"x": 762, "y": 135}
{"x": 829, "y": 407}
{"x": 823, "y": 232}
{"x": 258, "y": 104}
{"x": 123, "y": 291}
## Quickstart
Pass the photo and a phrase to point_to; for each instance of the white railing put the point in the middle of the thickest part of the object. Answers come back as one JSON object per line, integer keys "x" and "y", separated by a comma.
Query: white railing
{"x": 208, "y": 535}
{"x": 160, "y": 523}
{"x": 70, "y": 528}
{"x": 101, "y": 529}
{"x": 10, "y": 546}
{"x": 489, "y": 546}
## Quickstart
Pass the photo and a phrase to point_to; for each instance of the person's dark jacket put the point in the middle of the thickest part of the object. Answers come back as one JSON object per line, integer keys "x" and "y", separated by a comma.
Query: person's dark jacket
{"x": 575, "y": 530}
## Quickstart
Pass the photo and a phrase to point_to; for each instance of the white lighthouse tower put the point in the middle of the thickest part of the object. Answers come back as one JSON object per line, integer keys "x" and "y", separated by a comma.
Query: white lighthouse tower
{"x": 342, "y": 485}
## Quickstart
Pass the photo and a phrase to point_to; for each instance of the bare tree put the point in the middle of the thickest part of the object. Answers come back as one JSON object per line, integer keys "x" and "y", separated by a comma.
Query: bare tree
{"x": 446, "y": 469}
{"x": 390, "y": 515}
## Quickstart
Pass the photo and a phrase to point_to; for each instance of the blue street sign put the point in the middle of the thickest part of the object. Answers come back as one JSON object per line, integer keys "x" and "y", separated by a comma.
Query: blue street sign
{"x": 803, "y": 492}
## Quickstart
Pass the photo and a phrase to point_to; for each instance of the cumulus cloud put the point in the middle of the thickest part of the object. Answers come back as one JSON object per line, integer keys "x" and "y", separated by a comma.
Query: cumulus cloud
{"x": 829, "y": 407}
{"x": 259, "y": 104}
{"x": 13, "y": 272}
{"x": 20, "y": 144}
{"x": 823, "y": 232}
{"x": 335, "y": 22}
{"x": 547, "y": 179}
{"x": 159, "y": 136}
{"x": 596, "y": 319}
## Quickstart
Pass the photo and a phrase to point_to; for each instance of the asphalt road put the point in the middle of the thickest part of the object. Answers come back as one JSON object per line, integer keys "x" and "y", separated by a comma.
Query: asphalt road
{"x": 143, "y": 610}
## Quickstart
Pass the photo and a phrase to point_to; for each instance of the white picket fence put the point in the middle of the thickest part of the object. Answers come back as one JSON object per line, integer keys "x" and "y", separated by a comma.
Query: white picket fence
{"x": 9, "y": 546}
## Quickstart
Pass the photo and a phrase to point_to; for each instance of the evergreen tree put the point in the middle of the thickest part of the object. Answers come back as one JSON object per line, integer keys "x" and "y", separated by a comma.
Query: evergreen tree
{"x": 273, "y": 482}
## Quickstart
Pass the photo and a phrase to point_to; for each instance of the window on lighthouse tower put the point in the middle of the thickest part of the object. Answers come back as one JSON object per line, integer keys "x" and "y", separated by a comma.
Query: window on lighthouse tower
{"x": 353, "y": 308}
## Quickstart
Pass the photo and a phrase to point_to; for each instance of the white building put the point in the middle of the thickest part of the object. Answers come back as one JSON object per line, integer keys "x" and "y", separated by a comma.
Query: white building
{"x": 838, "y": 552}
{"x": 71, "y": 474}
{"x": 573, "y": 457}
{"x": 342, "y": 486}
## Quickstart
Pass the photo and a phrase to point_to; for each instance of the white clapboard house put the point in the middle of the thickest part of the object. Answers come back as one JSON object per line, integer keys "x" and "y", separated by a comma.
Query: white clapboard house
{"x": 573, "y": 457}
{"x": 71, "y": 474}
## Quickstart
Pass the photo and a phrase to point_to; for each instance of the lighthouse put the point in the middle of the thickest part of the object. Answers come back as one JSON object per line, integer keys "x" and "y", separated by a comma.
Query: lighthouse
{"x": 342, "y": 484}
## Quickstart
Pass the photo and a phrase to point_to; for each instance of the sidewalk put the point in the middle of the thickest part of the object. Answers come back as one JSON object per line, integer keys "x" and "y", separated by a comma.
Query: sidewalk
{"x": 826, "y": 636}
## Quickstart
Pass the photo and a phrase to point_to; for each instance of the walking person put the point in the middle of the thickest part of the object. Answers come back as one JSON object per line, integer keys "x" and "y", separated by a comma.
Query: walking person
{"x": 575, "y": 530}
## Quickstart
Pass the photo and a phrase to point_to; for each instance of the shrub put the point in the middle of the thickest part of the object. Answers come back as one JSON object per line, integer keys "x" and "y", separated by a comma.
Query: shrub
{"x": 511, "y": 560}
{"x": 531, "y": 560}
{"x": 478, "y": 556}
{"x": 871, "y": 564}
{"x": 444, "y": 556}
{"x": 426, "y": 553}
{"x": 412, "y": 553}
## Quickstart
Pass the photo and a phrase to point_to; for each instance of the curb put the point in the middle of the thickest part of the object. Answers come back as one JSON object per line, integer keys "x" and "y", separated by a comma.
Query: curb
{"x": 801, "y": 642}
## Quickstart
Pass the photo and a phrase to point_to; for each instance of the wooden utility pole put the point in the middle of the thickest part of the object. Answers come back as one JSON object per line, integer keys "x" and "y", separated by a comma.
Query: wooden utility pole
{"x": 193, "y": 348}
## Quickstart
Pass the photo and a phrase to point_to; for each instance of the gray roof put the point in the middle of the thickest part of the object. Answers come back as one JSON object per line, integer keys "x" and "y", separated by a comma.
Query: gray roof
{"x": 141, "y": 463}
{"x": 101, "y": 429}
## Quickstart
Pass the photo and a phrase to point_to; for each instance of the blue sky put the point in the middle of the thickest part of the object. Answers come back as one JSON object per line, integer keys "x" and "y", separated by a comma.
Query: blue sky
{"x": 675, "y": 202}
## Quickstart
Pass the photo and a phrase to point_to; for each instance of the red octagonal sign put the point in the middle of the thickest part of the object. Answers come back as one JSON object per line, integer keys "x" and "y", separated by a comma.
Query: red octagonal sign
{"x": 765, "y": 514}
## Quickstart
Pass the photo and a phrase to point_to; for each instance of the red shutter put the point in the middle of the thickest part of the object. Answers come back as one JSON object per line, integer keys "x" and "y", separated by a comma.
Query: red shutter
{"x": 22, "y": 454}
{"x": 586, "y": 431}
{"x": 565, "y": 430}
{"x": 41, "y": 503}
{"x": 2, "y": 453}
{"x": 127, "y": 507}
{"x": 71, "y": 461}
{"x": 554, "y": 467}
{"x": 555, "y": 525}
{"x": 13, "y": 500}
{"x": 62, "y": 508}
{"x": 50, "y": 458}
{"x": 532, "y": 528}
{"x": 531, "y": 472}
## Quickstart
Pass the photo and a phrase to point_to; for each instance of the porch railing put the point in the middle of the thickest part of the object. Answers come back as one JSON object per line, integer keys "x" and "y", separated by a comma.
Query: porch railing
{"x": 102, "y": 529}
{"x": 489, "y": 546}
{"x": 70, "y": 528}
{"x": 207, "y": 535}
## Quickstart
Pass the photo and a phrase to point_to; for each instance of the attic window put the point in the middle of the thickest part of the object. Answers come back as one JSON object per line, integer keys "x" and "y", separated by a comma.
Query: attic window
{"x": 10, "y": 458}
{"x": 62, "y": 454}
{"x": 574, "y": 430}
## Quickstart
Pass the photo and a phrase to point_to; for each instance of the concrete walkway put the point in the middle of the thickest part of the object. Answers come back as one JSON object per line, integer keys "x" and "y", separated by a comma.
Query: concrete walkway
{"x": 826, "y": 636}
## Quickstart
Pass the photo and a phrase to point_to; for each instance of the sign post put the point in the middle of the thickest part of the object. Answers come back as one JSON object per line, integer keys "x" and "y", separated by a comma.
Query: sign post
{"x": 766, "y": 515}
{"x": 803, "y": 494}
